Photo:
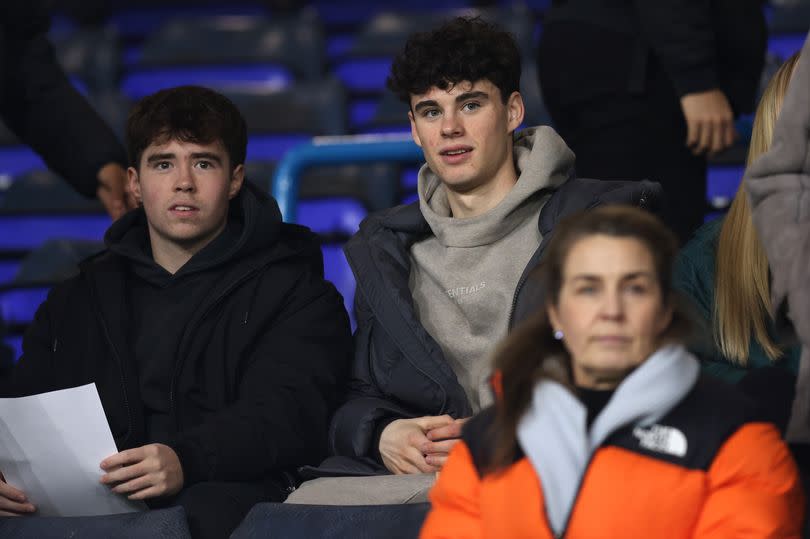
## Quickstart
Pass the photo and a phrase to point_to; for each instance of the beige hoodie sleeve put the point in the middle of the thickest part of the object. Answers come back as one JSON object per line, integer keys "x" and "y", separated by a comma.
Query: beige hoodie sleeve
{"x": 779, "y": 187}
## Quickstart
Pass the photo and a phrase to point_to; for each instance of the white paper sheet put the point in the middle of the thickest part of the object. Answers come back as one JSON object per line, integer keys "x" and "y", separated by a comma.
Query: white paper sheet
{"x": 50, "y": 448}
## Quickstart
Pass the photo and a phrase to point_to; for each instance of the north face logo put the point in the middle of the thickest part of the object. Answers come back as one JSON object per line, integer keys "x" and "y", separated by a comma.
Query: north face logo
{"x": 662, "y": 439}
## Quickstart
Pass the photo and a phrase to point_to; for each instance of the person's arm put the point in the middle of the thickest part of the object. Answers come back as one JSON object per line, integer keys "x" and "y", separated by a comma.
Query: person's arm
{"x": 358, "y": 424}
{"x": 286, "y": 395}
{"x": 779, "y": 186}
{"x": 754, "y": 488}
{"x": 455, "y": 505}
{"x": 43, "y": 109}
{"x": 681, "y": 34}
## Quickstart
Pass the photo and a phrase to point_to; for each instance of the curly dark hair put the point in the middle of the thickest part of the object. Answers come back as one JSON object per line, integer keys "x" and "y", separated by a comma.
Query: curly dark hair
{"x": 462, "y": 49}
{"x": 188, "y": 114}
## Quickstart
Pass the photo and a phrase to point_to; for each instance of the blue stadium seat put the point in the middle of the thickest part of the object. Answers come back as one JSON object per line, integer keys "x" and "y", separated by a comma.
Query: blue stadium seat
{"x": 279, "y": 120}
{"x": 164, "y": 523}
{"x": 90, "y": 56}
{"x": 42, "y": 191}
{"x": 26, "y": 231}
{"x": 785, "y": 45}
{"x": 18, "y": 305}
{"x": 292, "y": 521}
{"x": 259, "y": 53}
{"x": 55, "y": 261}
{"x": 13, "y": 346}
{"x": 345, "y": 15}
{"x": 722, "y": 183}
{"x": 373, "y": 185}
{"x": 8, "y": 269}
{"x": 16, "y": 160}
{"x": 338, "y": 272}
{"x": 332, "y": 215}
{"x": 138, "y": 20}
{"x": 20, "y": 298}
{"x": 390, "y": 115}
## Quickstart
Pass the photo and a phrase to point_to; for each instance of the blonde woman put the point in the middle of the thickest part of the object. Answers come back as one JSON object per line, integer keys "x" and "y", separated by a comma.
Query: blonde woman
{"x": 724, "y": 271}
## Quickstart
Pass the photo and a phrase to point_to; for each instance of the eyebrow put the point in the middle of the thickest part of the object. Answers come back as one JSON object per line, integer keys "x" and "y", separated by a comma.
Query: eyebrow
{"x": 626, "y": 277}
{"x": 197, "y": 155}
{"x": 459, "y": 98}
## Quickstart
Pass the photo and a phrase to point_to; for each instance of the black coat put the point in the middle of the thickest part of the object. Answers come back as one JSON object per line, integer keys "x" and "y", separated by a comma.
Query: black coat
{"x": 258, "y": 372}
{"x": 41, "y": 107}
{"x": 598, "y": 47}
{"x": 399, "y": 370}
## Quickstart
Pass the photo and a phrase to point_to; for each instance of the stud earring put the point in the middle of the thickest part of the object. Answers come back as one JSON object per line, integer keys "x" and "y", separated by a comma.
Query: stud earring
{"x": 558, "y": 334}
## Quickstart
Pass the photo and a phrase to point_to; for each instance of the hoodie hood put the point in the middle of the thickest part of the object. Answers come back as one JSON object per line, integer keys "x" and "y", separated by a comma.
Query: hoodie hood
{"x": 254, "y": 221}
{"x": 543, "y": 163}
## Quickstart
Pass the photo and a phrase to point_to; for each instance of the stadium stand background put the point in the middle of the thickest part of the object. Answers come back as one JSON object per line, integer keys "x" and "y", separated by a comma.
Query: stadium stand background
{"x": 297, "y": 70}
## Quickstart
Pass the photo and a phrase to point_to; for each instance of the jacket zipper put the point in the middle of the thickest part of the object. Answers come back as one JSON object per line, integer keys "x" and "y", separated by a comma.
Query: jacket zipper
{"x": 190, "y": 330}
{"x": 117, "y": 358}
{"x": 515, "y": 299}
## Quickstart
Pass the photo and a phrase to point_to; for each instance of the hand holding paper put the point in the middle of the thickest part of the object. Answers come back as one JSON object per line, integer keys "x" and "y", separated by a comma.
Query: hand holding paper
{"x": 13, "y": 502}
{"x": 144, "y": 472}
{"x": 50, "y": 449}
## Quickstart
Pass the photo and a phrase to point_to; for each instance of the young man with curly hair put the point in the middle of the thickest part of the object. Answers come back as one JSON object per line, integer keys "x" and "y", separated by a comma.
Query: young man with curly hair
{"x": 218, "y": 349}
{"x": 441, "y": 281}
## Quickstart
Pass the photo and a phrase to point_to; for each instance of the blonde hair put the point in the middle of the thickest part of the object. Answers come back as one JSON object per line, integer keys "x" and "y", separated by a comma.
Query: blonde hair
{"x": 742, "y": 288}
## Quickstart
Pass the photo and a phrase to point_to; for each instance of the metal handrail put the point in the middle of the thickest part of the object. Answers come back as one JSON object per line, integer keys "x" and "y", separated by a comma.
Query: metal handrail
{"x": 336, "y": 151}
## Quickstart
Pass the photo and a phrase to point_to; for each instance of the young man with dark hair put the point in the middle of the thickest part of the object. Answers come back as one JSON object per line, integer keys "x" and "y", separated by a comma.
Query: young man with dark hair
{"x": 441, "y": 281}
{"x": 217, "y": 347}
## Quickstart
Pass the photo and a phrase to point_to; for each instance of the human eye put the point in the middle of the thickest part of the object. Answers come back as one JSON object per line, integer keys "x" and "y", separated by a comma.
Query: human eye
{"x": 637, "y": 288}
{"x": 471, "y": 106}
{"x": 162, "y": 165}
{"x": 430, "y": 113}
{"x": 585, "y": 289}
{"x": 204, "y": 164}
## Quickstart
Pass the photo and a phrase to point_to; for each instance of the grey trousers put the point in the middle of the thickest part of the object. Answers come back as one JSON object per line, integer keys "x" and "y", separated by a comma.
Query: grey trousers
{"x": 372, "y": 490}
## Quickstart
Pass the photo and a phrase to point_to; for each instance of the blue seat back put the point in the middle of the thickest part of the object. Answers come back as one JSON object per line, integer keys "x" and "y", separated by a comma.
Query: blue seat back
{"x": 292, "y": 521}
{"x": 164, "y": 523}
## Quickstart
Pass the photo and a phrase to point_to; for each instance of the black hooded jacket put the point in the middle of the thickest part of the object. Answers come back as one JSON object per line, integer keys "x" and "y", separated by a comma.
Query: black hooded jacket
{"x": 261, "y": 354}
{"x": 399, "y": 370}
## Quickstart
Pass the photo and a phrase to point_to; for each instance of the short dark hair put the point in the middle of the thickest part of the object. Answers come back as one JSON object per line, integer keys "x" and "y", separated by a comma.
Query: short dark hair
{"x": 462, "y": 49}
{"x": 188, "y": 114}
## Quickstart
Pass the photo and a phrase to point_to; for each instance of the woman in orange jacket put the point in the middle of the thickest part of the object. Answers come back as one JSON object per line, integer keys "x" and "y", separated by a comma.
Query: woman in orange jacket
{"x": 605, "y": 426}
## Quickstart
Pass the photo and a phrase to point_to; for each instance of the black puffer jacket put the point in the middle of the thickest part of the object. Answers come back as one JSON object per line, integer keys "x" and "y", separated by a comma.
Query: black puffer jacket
{"x": 399, "y": 370}
{"x": 258, "y": 372}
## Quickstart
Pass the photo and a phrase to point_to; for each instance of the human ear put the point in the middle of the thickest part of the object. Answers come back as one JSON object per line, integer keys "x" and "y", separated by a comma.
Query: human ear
{"x": 237, "y": 179}
{"x": 516, "y": 110}
{"x": 134, "y": 182}
{"x": 414, "y": 132}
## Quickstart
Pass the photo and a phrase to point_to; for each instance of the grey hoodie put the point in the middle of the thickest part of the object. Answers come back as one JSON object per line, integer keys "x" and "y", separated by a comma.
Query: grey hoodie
{"x": 779, "y": 185}
{"x": 463, "y": 278}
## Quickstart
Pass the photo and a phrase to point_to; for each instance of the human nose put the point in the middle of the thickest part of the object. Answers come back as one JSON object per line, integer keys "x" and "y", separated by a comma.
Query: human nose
{"x": 451, "y": 125}
{"x": 185, "y": 179}
{"x": 612, "y": 306}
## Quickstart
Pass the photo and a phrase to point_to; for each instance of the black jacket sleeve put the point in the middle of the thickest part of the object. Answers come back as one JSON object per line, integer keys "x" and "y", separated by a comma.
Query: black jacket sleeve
{"x": 356, "y": 427}
{"x": 681, "y": 34}
{"x": 41, "y": 107}
{"x": 286, "y": 395}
